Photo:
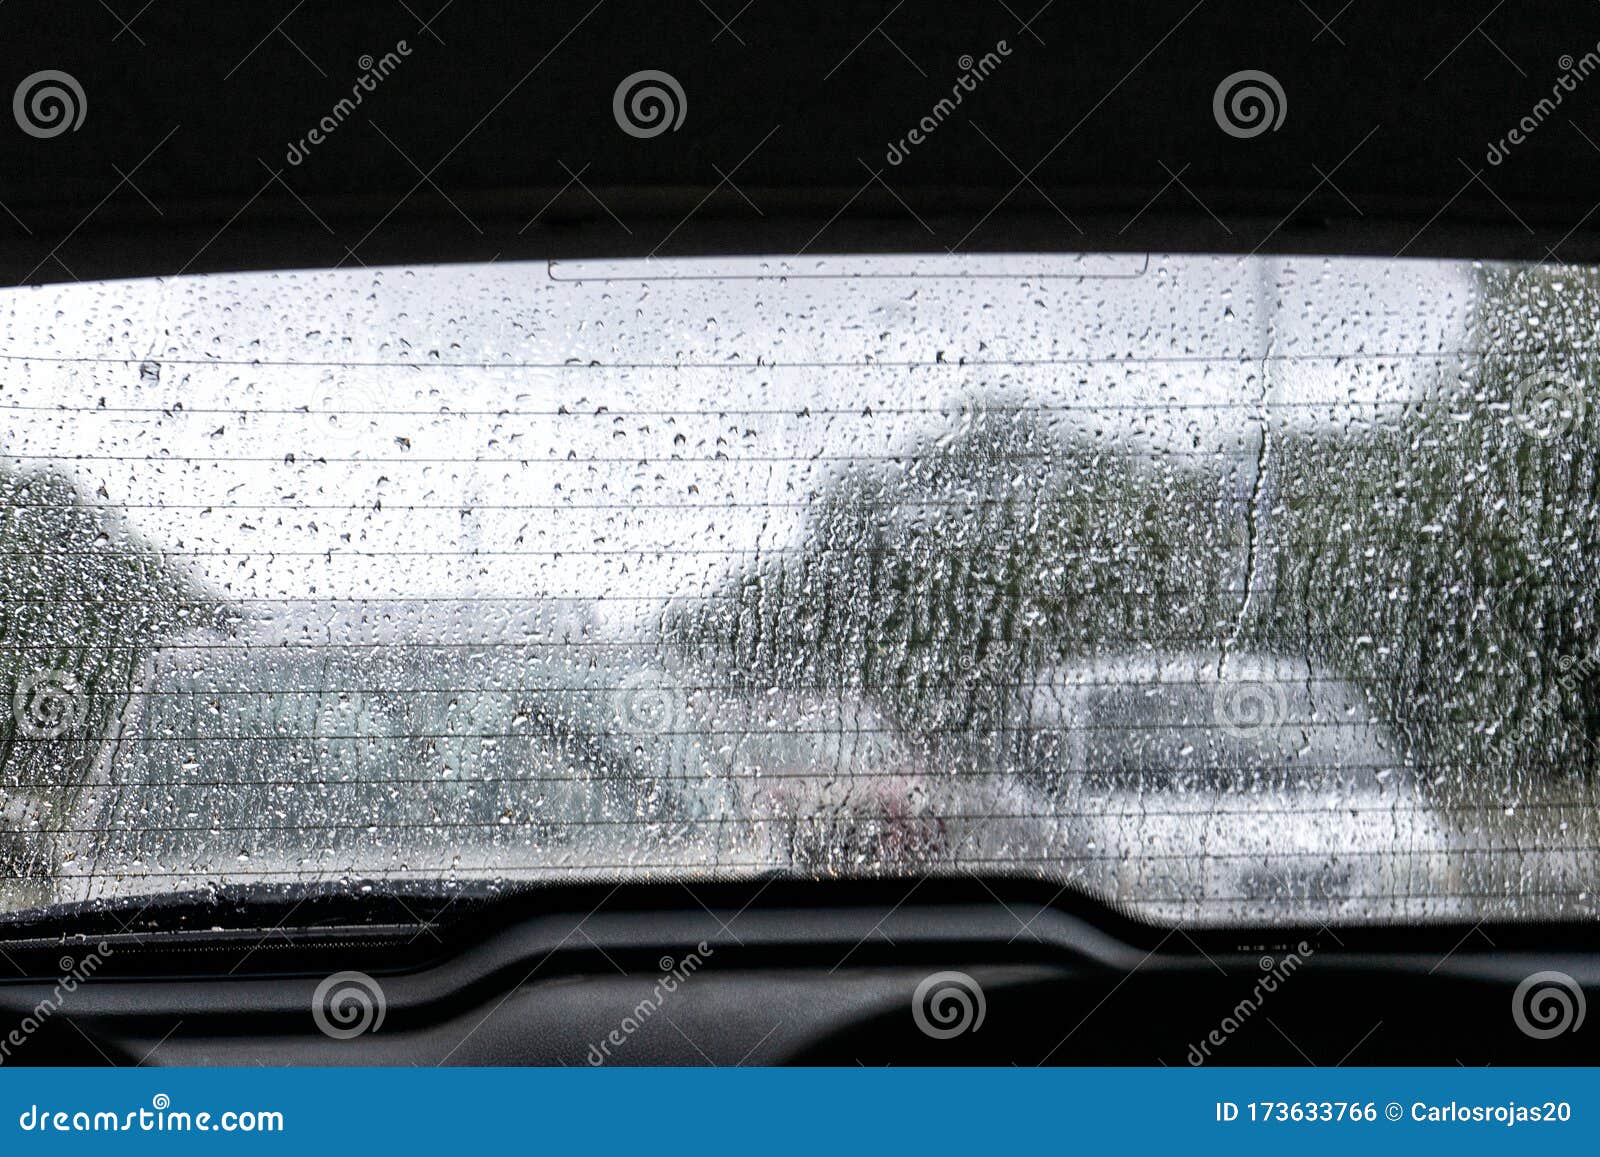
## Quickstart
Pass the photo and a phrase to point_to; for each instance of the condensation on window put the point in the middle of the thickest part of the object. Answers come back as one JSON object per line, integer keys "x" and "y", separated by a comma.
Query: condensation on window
{"x": 1223, "y": 591}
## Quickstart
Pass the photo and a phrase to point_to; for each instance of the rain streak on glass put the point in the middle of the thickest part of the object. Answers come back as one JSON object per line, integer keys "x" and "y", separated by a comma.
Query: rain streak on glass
{"x": 1230, "y": 592}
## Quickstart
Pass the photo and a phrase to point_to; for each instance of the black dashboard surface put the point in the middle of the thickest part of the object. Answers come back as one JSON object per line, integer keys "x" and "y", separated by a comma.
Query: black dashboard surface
{"x": 923, "y": 973}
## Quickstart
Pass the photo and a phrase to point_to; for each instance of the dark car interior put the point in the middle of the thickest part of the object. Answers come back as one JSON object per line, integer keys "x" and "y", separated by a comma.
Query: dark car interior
{"x": 791, "y": 976}
{"x": 494, "y": 142}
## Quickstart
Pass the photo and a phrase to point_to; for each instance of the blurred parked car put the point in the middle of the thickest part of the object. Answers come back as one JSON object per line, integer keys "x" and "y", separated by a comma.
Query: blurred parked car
{"x": 1248, "y": 782}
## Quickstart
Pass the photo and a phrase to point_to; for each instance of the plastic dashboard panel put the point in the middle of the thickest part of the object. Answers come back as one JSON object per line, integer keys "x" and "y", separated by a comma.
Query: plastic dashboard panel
{"x": 799, "y": 974}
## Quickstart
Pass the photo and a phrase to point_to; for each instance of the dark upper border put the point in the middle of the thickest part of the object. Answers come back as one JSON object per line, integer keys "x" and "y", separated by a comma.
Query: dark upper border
{"x": 1465, "y": 130}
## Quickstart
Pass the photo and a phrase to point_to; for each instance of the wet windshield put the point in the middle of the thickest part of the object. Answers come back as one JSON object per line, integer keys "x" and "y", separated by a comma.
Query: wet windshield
{"x": 1225, "y": 591}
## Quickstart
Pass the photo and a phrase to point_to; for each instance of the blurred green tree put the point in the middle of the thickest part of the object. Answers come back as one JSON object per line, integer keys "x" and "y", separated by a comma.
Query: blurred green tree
{"x": 82, "y": 602}
{"x": 937, "y": 587}
{"x": 1441, "y": 554}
